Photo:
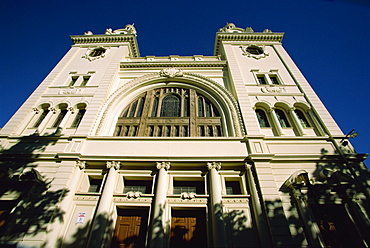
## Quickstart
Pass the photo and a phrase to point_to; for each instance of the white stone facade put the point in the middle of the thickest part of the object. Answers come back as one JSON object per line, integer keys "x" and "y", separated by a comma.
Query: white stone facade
{"x": 238, "y": 143}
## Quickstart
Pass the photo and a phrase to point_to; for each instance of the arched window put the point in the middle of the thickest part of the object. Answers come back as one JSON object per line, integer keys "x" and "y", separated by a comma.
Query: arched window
{"x": 166, "y": 112}
{"x": 282, "y": 118}
{"x": 45, "y": 111}
{"x": 80, "y": 114}
{"x": 262, "y": 118}
{"x": 170, "y": 106}
{"x": 62, "y": 112}
{"x": 302, "y": 118}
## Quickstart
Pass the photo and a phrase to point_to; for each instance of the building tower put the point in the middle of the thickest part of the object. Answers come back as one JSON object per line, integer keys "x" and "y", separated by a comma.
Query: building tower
{"x": 230, "y": 150}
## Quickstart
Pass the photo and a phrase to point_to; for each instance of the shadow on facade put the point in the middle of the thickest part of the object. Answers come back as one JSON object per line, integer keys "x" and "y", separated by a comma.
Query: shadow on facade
{"x": 26, "y": 205}
{"x": 329, "y": 206}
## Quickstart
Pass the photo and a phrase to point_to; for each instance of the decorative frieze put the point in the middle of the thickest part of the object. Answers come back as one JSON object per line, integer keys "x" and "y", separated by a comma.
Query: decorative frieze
{"x": 138, "y": 200}
{"x": 180, "y": 200}
{"x": 234, "y": 200}
{"x": 86, "y": 198}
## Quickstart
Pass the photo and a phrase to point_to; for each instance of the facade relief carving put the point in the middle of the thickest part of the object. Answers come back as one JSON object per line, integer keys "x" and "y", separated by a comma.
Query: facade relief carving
{"x": 171, "y": 72}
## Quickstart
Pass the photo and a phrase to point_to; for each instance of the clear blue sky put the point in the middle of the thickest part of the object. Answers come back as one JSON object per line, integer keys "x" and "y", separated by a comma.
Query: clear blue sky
{"x": 328, "y": 39}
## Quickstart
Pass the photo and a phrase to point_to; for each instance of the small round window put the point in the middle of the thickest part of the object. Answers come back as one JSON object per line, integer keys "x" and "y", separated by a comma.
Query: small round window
{"x": 255, "y": 50}
{"x": 97, "y": 52}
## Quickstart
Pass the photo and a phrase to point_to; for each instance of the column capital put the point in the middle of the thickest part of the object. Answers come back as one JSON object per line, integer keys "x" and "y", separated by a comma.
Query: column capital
{"x": 163, "y": 165}
{"x": 248, "y": 165}
{"x": 214, "y": 165}
{"x": 81, "y": 164}
{"x": 116, "y": 165}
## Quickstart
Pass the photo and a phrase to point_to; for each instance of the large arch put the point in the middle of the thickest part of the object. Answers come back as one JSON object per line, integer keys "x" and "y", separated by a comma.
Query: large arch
{"x": 123, "y": 96}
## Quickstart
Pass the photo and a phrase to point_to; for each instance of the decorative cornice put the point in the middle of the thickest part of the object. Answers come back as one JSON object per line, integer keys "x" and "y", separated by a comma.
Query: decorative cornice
{"x": 162, "y": 64}
{"x": 246, "y": 37}
{"x": 81, "y": 164}
{"x": 99, "y": 39}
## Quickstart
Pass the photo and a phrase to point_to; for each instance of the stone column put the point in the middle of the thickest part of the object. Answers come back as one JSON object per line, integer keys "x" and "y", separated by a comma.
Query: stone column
{"x": 277, "y": 125}
{"x": 101, "y": 232}
{"x": 297, "y": 122}
{"x": 47, "y": 118}
{"x": 54, "y": 232}
{"x": 66, "y": 117}
{"x": 313, "y": 231}
{"x": 218, "y": 224}
{"x": 156, "y": 222}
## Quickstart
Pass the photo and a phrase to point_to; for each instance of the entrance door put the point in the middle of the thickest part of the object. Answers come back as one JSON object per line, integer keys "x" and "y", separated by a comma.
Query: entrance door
{"x": 188, "y": 228}
{"x": 131, "y": 228}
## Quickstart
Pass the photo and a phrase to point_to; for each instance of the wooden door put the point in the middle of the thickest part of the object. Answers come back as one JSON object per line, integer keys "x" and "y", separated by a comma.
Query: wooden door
{"x": 131, "y": 228}
{"x": 188, "y": 228}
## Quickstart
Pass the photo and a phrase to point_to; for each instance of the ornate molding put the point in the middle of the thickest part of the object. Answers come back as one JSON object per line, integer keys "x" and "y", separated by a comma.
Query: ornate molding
{"x": 113, "y": 164}
{"x": 163, "y": 165}
{"x": 70, "y": 91}
{"x": 180, "y": 200}
{"x": 126, "y": 199}
{"x": 132, "y": 194}
{"x": 225, "y": 95}
{"x": 272, "y": 89}
{"x": 245, "y": 51}
{"x": 86, "y": 198}
{"x": 171, "y": 72}
{"x": 187, "y": 195}
{"x": 214, "y": 165}
{"x": 81, "y": 164}
{"x": 241, "y": 200}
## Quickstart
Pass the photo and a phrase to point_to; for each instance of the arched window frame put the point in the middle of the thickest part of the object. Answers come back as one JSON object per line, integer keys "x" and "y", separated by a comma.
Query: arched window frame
{"x": 282, "y": 118}
{"x": 180, "y": 126}
{"x": 79, "y": 115}
{"x": 45, "y": 109}
{"x": 262, "y": 118}
{"x": 63, "y": 110}
{"x": 304, "y": 122}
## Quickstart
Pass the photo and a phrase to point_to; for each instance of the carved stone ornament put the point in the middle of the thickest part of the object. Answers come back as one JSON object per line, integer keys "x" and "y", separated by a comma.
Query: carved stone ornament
{"x": 81, "y": 164}
{"x": 214, "y": 165}
{"x": 133, "y": 194}
{"x": 91, "y": 56}
{"x": 187, "y": 195}
{"x": 171, "y": 72}
{"x": 180, "y": 200}
{"x": 114, "y": 164}
{"x": 128, "y": 29}
{"x": 246, "y": 51}
{"x": 70, "y": 91}
{"x": 163, "y": 165}
{"x": 272, "y": 89}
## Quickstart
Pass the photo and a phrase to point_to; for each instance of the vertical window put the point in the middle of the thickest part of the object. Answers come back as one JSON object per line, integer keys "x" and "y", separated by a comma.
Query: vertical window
{"x": 233, "y": 188}
{"x": 170, "y": 106}
{"x": 274, "y": 80}
{"x": 80, "y": 114}
{"x": 186, "y": 107}
{"x": 41, "y": 117}
{"x": 73, "y": 80}
{"x": 85, "y": 80}
{"x": 302, "y": 118}
{"x": 60, "y": 117}
{"x": 155, "y": 107}
{"x": 200, "y": 107}
{"x": 262, "y": 118}
{"x": 95, "y": 185}
{"x": 261, "y": 80}
{"x": 282, "y": 118}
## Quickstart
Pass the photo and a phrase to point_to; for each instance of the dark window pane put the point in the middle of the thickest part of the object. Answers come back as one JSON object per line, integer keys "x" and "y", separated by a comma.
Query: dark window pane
{"x": 262, "y": 118}
{"x": 282, "y": 118}
{"x": 274, "y": 80}
{"x": 155, "y": 107}
{"x": 60, "y": 117}
{"x": 42, "y": 117}
{"x": 302, "y": 118}
{"x": 233, "y": 188}
{"x": 95, "y": 185}
{"x": 200, "y": 107}
{"x": 261, "y": 80}
{"x": 170, "y": 106}
{"x": 188, "y": 187}
{"x": 143, "y": 186}
{"x": 78, "y": 118}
